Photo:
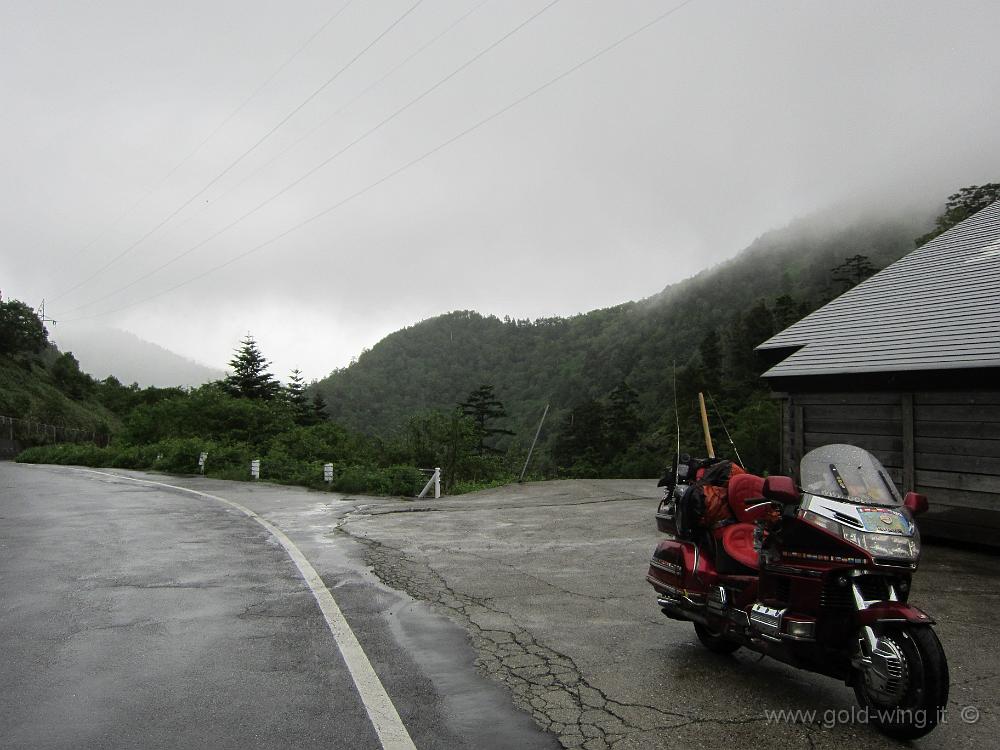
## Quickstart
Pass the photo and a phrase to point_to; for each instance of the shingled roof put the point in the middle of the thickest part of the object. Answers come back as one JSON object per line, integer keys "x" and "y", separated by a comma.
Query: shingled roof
{"x": 937, "y": 308}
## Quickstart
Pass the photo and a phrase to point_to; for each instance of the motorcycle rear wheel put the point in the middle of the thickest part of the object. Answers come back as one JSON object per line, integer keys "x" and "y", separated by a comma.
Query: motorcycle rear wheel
{"x": 923, "y": 693}
{"x": 713, "y": 641}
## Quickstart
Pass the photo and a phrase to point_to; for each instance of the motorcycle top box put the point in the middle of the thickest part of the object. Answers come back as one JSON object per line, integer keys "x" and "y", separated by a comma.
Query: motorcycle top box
{"x": 817, "y": 577}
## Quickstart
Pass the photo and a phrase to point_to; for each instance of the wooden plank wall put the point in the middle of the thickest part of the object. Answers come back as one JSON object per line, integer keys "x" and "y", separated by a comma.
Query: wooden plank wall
{"x": 945, "y": 445}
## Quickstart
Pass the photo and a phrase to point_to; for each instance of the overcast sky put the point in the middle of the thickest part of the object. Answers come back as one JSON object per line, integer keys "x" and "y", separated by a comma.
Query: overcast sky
{"x": 663, "y": 156}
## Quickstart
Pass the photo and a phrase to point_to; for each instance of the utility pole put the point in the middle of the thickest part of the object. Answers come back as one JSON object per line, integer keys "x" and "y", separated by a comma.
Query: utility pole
{"x": 532, "y": 448}
{"x": 41, "y": 314}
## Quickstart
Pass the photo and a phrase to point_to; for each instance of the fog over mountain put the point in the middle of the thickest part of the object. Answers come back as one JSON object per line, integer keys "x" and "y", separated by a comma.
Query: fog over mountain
{"x": 105, "y": 351}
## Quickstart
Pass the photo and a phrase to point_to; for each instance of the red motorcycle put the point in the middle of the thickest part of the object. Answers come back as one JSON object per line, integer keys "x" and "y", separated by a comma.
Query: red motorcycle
{"x": 816, "y": 578}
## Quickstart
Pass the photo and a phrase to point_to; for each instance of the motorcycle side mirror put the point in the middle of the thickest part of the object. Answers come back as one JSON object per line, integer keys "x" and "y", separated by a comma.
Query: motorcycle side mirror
{"x": 915, "y": 503}
{"x": 781, "y": 490}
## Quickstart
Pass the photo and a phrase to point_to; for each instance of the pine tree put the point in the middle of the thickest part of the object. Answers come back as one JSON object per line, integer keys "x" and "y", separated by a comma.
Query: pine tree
{"x": 581, "y": 444}
{"x": 295, "y": 392}
{"x": 961, "y": 206}
{"x": 484, "y": 408}
{"x": 853, "y": 271}
{"x": 319, "y": 408}
{"x": 788, "y": 310}
{"x": 250, "y": 377}
{"x": 623, "y": 422}
{"x": 710, "y": 352}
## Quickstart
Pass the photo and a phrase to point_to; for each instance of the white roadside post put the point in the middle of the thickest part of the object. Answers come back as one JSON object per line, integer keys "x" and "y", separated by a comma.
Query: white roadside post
{"x": 255, "y": 468}
{"x": 328, "y": 473}
{"x": 201, "y": 461}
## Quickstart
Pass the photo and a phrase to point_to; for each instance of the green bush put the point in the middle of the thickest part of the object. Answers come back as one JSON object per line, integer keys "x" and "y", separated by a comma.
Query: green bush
{"x": 209, "y": 414}
{"x": 353, "y": 479}
{"x": 228, "y": 460}
{"x": 296, "y": 456}
{"x": 322, "y": 442}
{"x": 279, "y": 466}
{"x": 402, "y": 481}
{"x": 178, "y": 455}
{"x": 133, "y": 456}
{"x": 68, "y": 454}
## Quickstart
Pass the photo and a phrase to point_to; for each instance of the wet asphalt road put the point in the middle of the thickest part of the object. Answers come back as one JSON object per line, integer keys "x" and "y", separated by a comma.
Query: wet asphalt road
{"x": 133, "y": 616}
{"x": 146, "y": 618}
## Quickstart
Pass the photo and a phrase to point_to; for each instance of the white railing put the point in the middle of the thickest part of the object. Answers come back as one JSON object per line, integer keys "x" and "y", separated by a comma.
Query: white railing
{"x": 434, "y": 481}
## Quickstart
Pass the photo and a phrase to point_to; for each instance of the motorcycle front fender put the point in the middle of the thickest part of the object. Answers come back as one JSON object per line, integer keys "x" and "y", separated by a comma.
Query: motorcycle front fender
{"x": 893, "y": 612}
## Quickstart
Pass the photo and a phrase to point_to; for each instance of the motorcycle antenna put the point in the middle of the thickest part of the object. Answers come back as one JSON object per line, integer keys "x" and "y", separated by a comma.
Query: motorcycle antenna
{"x": 723, "y": 423}
{"x": 677, "y": 422}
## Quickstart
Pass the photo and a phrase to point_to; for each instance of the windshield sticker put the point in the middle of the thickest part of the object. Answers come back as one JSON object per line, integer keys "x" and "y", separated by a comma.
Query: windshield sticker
{"x": 883, "y": 521}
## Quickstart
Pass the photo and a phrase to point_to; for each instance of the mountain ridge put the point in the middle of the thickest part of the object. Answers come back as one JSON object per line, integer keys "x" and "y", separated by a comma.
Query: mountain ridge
{"x": 433, "y": 364}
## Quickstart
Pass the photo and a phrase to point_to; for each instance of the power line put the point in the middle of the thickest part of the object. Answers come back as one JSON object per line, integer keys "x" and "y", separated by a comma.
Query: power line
{"x": 329, "y": 118}
{"x": 252, "y": 148}
{"x": 196, "y": 149}
{"x": 413, "y": 162}
{"x": 325, "y": 162}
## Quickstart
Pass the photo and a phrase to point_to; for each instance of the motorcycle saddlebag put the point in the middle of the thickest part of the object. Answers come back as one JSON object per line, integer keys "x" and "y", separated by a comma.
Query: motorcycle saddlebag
{"x": 671, "y": 569}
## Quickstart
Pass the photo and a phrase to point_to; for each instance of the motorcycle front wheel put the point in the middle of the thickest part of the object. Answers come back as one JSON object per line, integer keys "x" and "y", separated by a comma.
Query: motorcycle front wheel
{"x": 905, "y": 686}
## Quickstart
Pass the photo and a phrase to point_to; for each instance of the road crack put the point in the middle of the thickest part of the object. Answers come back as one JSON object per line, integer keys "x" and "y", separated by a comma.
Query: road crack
{"x": 543, "y": 682}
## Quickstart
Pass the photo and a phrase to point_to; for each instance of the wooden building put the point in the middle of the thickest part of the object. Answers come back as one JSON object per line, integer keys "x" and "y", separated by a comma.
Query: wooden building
{"x": 907, "y": 365}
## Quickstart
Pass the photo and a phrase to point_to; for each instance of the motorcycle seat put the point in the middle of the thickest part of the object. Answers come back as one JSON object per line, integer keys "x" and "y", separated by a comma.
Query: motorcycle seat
{"x": 746, "y": 497}
{"x": 737, "y": 541}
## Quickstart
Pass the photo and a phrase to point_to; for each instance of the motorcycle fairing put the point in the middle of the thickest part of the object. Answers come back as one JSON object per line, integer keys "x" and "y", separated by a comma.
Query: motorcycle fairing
{"x": 863, "y": 518}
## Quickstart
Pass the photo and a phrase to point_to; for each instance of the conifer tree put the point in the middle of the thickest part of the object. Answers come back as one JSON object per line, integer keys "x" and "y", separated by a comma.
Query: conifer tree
{"x": 250, "y": 377}
{"x": 623, "y": 422}
{"x": 483, "y": 406}
{"x": 295, "y": 392}
{"x": 961, "y": 206}
{"x": 853, "y": 271}
{"x": 319, "y": 408}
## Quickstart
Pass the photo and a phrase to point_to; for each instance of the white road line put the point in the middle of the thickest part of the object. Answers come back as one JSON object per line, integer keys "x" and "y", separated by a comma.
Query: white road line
{"x": 384, "y": 717}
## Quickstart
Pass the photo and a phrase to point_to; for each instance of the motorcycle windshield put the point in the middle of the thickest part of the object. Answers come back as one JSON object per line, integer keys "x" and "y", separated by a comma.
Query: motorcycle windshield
{"x": 849, "y": 474}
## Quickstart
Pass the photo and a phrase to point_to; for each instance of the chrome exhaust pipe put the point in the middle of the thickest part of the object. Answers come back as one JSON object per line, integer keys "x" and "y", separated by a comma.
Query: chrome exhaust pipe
{"x": 675, "y": 610}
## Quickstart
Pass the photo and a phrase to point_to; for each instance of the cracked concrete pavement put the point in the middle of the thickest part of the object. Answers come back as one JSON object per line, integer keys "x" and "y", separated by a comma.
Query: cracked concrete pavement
{"x": 549, "y": 581}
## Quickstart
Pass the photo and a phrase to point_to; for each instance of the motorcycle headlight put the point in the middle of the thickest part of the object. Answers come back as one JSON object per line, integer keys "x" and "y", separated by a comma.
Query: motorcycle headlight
{"x": 887, "y": 546}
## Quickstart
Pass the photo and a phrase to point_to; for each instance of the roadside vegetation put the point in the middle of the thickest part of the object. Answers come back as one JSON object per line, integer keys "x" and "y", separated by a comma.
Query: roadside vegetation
{"x": 250, "y": 415}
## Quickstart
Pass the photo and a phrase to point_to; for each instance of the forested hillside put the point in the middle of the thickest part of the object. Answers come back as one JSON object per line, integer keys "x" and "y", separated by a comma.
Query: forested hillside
{"x": 614, "y": 366}
{"x": 43, "y": 393}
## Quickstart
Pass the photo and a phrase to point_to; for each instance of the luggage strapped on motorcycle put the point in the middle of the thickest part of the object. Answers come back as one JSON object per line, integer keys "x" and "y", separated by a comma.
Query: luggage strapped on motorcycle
{"x": 703, "y": 503}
